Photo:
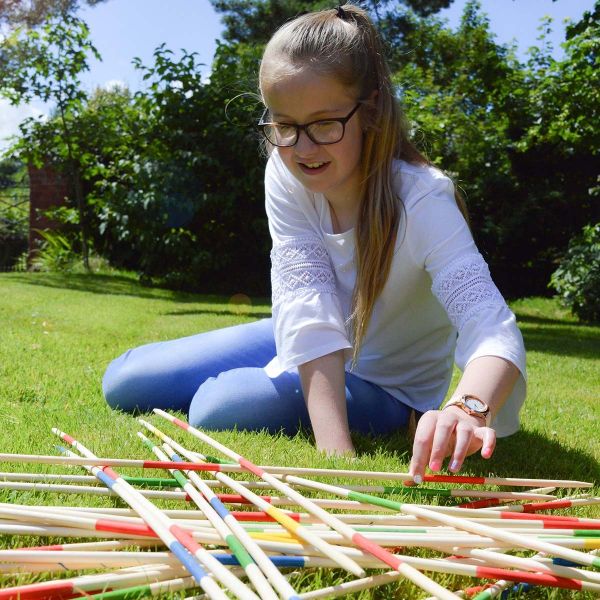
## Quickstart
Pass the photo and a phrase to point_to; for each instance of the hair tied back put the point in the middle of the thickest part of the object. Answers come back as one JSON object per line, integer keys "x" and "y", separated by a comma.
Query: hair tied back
{"x": 341, "y": 13}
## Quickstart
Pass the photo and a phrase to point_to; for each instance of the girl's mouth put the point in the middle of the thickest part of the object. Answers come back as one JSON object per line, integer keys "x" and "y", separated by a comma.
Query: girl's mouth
{"x": 313, "y": 168}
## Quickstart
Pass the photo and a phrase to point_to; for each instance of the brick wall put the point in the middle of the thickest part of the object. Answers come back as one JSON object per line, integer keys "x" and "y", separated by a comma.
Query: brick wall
{"x": 47, "y": 188}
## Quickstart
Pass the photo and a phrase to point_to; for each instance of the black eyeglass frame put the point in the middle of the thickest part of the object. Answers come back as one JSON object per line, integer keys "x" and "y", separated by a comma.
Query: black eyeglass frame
{"x": 304, "y": 127}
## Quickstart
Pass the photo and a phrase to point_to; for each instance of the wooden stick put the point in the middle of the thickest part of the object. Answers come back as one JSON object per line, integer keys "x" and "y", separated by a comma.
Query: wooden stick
{"x": 275, "y": 470}
{"x": 345, "y": 530}
{"x": 85, "y": 583}
{"x": 280, "y": 583}
{"x": 187, "y": 550}
{"x": 341, "y": 589}
{"x": 283, "y": 518}
{"x": 174, "y": 495}
{"x": 464, "y": 524}
{"x": 246, "y": 561}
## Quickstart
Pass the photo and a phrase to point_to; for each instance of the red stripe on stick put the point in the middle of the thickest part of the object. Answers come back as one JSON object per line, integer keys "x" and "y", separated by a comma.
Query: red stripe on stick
{"x": 185, "y": 538}
{"x": 251, "y": 467}
{"x": 535, "y": 506}
{"x": 52, "y": 589}
{"x": 53, "y": 547}
{"x": 110, "y": 473}
{"x": 181, "y": 423}
{"x": 376, "y": 550}
{"x": 237, "y": 499}
{"x": 527, "y": 577}
{"x": 120, "y": 527}
{"x": 242, "y": 515}
{"x": 454, "y": 479}
{"x": 548, "y": 518}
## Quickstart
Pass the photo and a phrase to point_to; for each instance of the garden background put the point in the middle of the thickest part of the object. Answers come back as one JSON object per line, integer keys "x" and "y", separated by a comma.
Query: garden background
{"x": 162, "y": 232}
{"x": 167, "y": 183}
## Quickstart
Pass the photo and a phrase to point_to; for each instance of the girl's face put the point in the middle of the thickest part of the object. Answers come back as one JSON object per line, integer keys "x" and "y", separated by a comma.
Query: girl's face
{"x": 334, "y": 169}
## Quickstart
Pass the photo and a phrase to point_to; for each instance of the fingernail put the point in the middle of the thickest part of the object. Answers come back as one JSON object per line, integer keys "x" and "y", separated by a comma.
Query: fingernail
{"x": 418, "y": 479}
{"x": 435, "y": 465}
{"x": 455, "y": 465}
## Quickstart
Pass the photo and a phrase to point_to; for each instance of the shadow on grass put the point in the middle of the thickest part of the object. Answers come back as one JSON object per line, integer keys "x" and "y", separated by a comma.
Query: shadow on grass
{"x": 534, "y": 320}
{"x": 525, "y": 454}
{"x": 563, "y": 340}
{"x": 121, "y": 285}
{"x": 235, "y": 312}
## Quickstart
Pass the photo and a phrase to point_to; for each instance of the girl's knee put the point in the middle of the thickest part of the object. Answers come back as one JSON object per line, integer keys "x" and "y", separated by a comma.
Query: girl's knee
{"x": 134, "y": 381}
{"x": 211, "y": 406}
{"x": 250, "y": 400}
{"x": 119, "y": 384}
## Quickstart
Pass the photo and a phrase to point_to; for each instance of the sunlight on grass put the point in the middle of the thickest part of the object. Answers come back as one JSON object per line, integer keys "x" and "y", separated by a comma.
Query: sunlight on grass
{"x": 59, "y": 333}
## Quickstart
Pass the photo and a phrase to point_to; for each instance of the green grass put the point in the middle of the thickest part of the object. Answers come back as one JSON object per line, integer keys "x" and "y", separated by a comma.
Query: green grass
{"x": 58, "y": 333}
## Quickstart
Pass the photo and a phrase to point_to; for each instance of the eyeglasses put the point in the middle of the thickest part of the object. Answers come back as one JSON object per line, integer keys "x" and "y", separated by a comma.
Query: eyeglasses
{"x": 322, "y": 132}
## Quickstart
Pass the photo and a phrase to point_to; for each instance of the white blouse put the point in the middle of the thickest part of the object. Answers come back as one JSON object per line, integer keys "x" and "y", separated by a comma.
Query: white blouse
{"x": 439, "y": 304}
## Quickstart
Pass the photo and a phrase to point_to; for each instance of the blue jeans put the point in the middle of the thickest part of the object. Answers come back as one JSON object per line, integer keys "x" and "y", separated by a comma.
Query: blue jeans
{"x": 218, "y": 378}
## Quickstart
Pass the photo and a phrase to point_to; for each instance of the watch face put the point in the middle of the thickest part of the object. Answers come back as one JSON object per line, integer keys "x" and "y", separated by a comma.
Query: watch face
{"x": 475, "y": 404}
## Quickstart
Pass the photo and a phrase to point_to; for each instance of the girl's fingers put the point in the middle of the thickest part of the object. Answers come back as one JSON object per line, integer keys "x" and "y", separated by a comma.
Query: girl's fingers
{"x": 442, "y": 439}
{"x": 487, "y": 435}
{"x": 440, "y": 433}
{"x": 464, "y": 436}
{"x": 422, "y": 444}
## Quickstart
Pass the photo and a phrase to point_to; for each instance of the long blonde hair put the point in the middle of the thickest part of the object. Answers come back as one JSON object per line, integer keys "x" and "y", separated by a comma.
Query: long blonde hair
{"x": 344, "y": 44}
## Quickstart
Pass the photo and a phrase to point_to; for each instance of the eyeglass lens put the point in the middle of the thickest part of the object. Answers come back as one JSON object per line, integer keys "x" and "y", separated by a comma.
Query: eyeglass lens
{"x": 320, "y": 132}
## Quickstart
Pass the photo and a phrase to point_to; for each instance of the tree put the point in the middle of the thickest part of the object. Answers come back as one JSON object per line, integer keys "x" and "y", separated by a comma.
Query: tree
{"x": 46, "y": 64}
{"x": 190, "y": 199}
{"x": 255, "y": 21}
{"x": 519, "y": 139}
{"x": 32, "y": 13}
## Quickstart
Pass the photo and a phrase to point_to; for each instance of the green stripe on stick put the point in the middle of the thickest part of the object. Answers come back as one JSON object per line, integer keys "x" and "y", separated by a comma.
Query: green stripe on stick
{"x": 239, "y": 551}
{"x": 367, "y": 498}
{"x": 152, "y": 481}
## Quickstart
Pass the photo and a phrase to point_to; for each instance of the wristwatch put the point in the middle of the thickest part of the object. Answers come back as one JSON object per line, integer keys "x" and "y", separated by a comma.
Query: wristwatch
{"x": 472, "y": 405}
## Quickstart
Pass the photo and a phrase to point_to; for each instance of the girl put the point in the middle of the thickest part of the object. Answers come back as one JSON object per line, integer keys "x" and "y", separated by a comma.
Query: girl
{"x": 377, "y": 283}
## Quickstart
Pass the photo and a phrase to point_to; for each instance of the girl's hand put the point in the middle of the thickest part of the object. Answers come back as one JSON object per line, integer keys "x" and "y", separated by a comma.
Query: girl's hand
{"x": 449, "y": 432}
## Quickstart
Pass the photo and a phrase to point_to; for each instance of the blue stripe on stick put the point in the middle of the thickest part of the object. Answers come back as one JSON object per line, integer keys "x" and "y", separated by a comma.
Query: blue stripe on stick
{"x": 187, "y": 560}
{"x": 565, "y": 563}
{"x": 279, "y": 561}
{"x": 219, "y": 507}
{"x": 104, "y": 478}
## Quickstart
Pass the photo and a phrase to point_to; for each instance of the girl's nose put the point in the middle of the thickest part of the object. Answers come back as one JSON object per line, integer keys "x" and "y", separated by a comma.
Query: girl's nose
{"x": 304, "y": 146}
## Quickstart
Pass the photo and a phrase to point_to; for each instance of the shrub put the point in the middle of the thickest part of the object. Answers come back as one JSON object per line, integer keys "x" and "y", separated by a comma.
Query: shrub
{"x": 577, "y": 279}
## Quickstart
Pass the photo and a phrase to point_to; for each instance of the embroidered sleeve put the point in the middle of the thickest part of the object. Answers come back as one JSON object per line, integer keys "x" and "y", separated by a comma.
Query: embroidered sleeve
{"x": 465, "y": 288}
{"x": 299, "y": 265}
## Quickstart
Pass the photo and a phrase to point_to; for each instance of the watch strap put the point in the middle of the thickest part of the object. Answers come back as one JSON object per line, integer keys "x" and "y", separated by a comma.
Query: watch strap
{"x": 460, "y": 402}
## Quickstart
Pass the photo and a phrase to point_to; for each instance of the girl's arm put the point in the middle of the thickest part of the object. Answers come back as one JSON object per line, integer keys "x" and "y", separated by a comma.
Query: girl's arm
{"x": 452, "y": 431}
{"x": 323, "y": 384}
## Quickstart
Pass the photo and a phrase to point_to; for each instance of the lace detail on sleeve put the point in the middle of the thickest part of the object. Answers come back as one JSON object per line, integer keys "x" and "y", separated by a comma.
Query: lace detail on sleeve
{"x": 465, "y": 288}
{"x": 299, "y": 265}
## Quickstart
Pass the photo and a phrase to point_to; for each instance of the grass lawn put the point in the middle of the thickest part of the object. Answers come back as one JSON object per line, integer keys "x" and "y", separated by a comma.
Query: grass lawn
{"x": 58, "y": 333}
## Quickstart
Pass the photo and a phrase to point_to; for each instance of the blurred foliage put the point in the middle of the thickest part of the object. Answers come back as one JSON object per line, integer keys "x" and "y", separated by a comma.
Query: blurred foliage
{"x": 255, "y": 21}
{"x": 172, "y": 175}
{"x": 57, "y": 253}
{"x": 577, "y": 279}
{"x": 34, "y": 12}
{"x": 177, "y": 191}
{"x": 517, "y": 138}
{"x": 46, "y": 64}
{"x": 14, "y": 212}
